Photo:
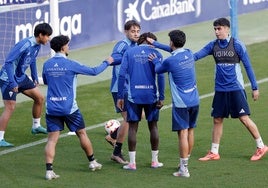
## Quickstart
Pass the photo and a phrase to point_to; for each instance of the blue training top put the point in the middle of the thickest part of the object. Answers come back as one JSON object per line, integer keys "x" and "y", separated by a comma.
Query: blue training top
{"x": 60, "y": 74}
{"x": 141, "y": 76}
{"x": 21, "y": 56}
{"x": 182, "y": 77}
{"x": 228, "y": 76}
{"x": 117, "y": 54}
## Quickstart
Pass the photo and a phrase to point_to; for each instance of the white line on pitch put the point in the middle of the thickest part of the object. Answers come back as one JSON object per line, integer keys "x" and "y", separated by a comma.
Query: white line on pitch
{"x": 99, "y": 125}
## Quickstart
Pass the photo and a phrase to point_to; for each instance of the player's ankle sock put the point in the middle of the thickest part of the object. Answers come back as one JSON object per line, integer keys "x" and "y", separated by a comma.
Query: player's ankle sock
{"x": 259, "y": 143}
{"x": 91, "y": 158}
{"x": 117, "y": 148}
{"x": 49, "y": 166}
{"x": 2, "y": 133}
{"x": 36, "y": 122}
{"x": 215, "y": 148}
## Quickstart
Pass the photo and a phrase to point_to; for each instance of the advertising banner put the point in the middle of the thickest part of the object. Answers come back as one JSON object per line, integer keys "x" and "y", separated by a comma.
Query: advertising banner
{"x": 93, "y": 22}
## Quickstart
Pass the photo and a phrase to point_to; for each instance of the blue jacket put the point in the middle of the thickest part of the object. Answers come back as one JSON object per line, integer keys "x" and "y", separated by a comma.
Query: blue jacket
{"x": 60, "y": 74}
{"x": 140, "y": 74}
{"x": 21, "y": 56}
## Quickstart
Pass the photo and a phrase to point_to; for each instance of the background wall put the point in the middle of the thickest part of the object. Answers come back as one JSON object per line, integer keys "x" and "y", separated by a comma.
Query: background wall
{"x": 94, "y": 22}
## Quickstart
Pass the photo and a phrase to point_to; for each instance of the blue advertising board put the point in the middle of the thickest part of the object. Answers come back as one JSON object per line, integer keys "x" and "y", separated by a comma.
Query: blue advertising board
{"x": 93, "y": 22}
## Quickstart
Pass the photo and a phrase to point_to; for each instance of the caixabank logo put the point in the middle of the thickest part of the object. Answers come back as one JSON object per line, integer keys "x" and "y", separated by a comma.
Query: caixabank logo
{"x": 148, "y": 10}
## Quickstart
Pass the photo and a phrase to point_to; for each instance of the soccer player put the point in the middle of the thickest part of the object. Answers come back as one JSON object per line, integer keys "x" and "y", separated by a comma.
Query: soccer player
{"x": 143, "y": 94}
{"x": 230, "y": 96}
{"x": 13, "y": 79}
{"x": 60, "y": 75}
{"x": 185, "y": 98}
{"x": 132, "y": 33}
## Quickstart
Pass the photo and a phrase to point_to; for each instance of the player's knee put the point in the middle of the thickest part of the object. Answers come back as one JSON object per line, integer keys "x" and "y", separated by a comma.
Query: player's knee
{"x": 40, "y": 99}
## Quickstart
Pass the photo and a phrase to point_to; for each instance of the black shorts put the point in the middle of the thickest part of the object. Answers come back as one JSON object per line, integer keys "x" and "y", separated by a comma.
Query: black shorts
{"x": 232, "y": 103}
{"x": 8, "y": 94}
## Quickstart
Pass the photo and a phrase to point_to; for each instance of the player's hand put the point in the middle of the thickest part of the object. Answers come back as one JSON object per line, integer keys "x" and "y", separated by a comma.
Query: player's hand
{"x": 120, "y": 104}
{"x": 110, "y": 59}
{"x": 152, "y": 56}
{"x": 150, "y": 40}
{"x": 36, "y": 83}
{"x": 159, "y": 104}
{"x": 15, "y": 89}
{"x": 255, "y": 95}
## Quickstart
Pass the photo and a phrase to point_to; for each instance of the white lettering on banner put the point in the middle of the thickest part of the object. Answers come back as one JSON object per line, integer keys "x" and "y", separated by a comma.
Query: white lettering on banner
{"x": 68, "y": 25}
{"x": 160, "y": 11}
{"x": 152, "y": 10}
{"x": 7, "y": 2}
{"x": 246, "y": 2}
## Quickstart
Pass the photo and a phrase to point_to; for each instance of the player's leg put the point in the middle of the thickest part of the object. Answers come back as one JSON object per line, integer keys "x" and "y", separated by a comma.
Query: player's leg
{"x": 75, "y": 123}
{"x": 86, "y": 145}
{"x": 190, "y": 140}
{"x": 29, "y": 89}
{"x": 54, "y": 126}
{"x": 117, "y": 155}
{"x": 9, "y": 107}
{"x": 132, "y": 140}
{"x": 50, "y": 147}
{"x": 120, "y": 138}
{"x": 184, "y": 152}
{"x": 241, "y": 110}
{"x": 9, "y": 99}
{"x": 154, "y": 136}
{"x": 253, "y": 129}
{"x": 123, "y": 129}
{"x": 85, "y": 142}
{"x": 133, "y": 117}
{"x": 50, "y": 150}
{"x": 132, "y": 135}
{"x": 152, "y": 116}
{"x": 220, "y": 106}
{"x": 183, "y": 122}
{"x": 217, "y": 130}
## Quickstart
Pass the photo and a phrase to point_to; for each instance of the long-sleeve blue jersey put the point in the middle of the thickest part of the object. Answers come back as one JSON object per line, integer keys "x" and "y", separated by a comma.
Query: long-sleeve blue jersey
{"x": 228, "y": 76}
{"x": 60, "y": 74}
{"x": 117, "y": 54}
{"x": 182, "y": 78}
{"x": 21, "y": 56}
{"x": 141, "y": 76}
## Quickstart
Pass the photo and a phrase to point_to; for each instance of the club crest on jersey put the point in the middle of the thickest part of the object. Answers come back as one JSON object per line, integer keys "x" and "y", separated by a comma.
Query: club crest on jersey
{"x": 10, "y": 93}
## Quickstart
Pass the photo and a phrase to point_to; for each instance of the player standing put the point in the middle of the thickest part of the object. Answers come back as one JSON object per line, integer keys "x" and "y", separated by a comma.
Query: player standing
{"x": 60, "y": 74}
{"x": 132, "y": 33}
{"x": 185, "y": 98}
{"x": 230, "y": 96}
{"x": 13, "y": 79}
{"x": 143, "y": 94}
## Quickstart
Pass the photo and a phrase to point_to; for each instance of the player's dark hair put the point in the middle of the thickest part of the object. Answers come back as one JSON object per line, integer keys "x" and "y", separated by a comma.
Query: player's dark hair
{"x": 58, "y": 42}
{"x": 131, "y": 23}
{"x": 221, "y": 22}
{"x": 143, "y": 38}
{"x": 44, "y": 29}
{"x": 177, "y": 37}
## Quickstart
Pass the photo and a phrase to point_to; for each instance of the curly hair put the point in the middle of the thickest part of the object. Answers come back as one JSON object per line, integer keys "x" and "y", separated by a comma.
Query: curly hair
{"x": 143, "y": 37}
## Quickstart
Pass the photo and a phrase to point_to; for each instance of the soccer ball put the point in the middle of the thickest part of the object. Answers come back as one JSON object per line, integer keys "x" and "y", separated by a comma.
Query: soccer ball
{"x": 111, "y": 126}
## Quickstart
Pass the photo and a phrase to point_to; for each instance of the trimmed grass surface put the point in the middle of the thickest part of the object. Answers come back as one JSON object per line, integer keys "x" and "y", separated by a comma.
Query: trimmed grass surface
{"x": 26, "y": 167}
